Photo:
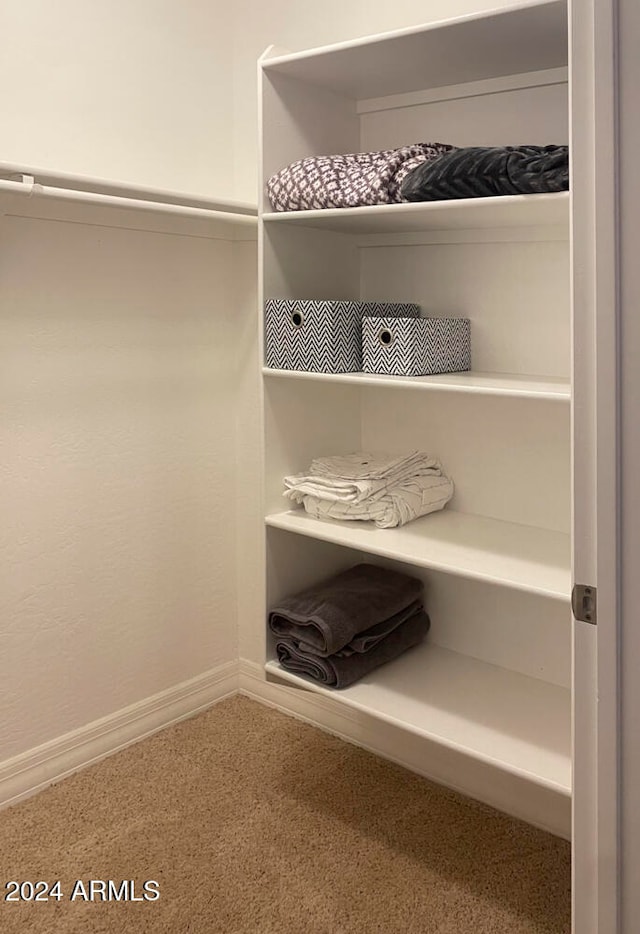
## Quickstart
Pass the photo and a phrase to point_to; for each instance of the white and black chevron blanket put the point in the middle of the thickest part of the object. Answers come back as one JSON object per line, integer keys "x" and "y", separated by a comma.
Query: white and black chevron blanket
{"x": 483, "y": 172}
{"x": 348, "y": 181}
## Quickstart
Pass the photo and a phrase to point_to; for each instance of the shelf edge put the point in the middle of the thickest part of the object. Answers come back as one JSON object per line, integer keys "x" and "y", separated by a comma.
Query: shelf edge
{"x": 333, "y": 537}
{"x": 273, "y": 668}
{"x": 407, "y": 382}
{"x": 291, "y": 57}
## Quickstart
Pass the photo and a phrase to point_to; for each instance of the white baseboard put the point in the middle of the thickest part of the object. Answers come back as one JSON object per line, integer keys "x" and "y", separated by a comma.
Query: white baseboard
{"x": 25, "y": 774}
{"x": 535, "y": 805}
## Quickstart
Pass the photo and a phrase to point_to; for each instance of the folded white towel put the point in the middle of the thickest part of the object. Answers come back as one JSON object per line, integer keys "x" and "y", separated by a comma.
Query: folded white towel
{"x": 367, "y": 465}
{"x": 359, "y": 477}
{"x": 397, "y": 505}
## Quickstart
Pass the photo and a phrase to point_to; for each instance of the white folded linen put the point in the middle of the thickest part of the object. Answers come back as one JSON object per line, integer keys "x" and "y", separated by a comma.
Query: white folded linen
{"x": 397, "y": 505}
{"x": 359, "y": 477}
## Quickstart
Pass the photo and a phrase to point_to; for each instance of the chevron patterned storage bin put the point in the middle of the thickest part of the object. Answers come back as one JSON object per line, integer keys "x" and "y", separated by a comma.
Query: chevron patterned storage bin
{"x": 321, "y": 336}
{"x": 416, "y": 346}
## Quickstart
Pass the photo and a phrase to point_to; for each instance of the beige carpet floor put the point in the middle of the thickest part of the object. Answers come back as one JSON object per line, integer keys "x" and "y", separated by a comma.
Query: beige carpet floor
{"x": 254, "y": 823}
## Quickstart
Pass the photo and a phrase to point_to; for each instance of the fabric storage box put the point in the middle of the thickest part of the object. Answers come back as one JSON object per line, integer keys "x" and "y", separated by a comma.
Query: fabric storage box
{"x": 416, "y": 346}
{"x": 322, "y": 336}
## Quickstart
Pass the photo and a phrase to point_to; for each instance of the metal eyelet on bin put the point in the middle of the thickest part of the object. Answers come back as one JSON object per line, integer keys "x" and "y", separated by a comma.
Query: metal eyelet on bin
{"x": 297, "y": 318}
{"x": 385, "y": 337}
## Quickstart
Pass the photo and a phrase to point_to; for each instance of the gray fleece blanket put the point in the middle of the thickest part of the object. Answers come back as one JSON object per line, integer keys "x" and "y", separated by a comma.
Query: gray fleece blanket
{"x": 340, "y": 671}
{"x": 326, "y": 618}
{"x": 487, "y": 171}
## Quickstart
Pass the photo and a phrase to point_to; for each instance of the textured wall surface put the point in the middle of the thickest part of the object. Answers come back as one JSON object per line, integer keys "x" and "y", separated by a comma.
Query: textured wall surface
{"x": 135, "y": 92}
{"x": 117, "y": 541}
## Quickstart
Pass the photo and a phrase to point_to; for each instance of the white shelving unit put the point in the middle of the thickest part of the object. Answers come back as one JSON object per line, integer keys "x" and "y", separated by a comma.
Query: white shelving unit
{"x": 492, "y": 681}
{"x": 505, "y": 720}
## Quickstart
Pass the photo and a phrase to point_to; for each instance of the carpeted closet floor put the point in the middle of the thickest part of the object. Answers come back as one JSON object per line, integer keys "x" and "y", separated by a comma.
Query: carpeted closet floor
{"x": 254, "y": 823}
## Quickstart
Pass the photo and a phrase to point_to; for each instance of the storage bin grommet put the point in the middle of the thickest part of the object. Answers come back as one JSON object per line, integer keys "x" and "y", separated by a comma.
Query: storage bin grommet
{"x": 385, "y": 337}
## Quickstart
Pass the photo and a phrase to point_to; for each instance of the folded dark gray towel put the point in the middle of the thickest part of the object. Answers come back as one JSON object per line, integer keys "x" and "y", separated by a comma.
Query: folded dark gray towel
{"x": 366, "y": 640}
{"x": 326, "y": 617}
{"x": 483, "y": 172}
{"x": 339, "y": 671}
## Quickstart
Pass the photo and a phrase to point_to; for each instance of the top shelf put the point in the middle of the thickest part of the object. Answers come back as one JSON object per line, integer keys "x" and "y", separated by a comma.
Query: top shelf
{"x": 527, "y": 37}
{"x": 466, "y": 213}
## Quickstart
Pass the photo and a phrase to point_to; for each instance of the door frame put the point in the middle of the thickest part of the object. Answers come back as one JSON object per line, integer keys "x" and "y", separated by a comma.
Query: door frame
{"x": 596, "y": 435}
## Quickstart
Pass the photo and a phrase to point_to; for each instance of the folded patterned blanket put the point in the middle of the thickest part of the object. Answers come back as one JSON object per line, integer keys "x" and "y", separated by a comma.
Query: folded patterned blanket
{"x": 354, "y": 478}
{"x": 348, "y": 181}
{"x": 328, "y": 616}
{"x": 340, "y": 671}
{"x": 483, "y": 172}
{"x": 394, "y": 506}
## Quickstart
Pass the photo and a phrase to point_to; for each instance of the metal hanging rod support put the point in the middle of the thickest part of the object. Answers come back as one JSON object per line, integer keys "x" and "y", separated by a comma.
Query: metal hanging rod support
{"x": 23, "y": 186}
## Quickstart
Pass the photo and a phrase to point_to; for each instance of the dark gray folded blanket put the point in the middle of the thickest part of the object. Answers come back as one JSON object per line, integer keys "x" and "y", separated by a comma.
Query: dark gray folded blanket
{"x": 366, "y": 640}
{"x": 339, "y": 671}
{"x": 326, "y": 617}
{"x": 483, "y": 172}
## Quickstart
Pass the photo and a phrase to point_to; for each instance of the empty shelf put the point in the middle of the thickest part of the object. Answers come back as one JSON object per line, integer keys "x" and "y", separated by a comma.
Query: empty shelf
{"x": 513, "y": 722}
{"x": 473, "y": 47}
{"x": 505, "y": 553}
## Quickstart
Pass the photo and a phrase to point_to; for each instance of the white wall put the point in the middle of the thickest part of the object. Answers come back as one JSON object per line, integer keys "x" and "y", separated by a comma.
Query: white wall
{"x": 131, "y": 91}
{"x": 117, "y": 437}
{"x": 117, "y": 541}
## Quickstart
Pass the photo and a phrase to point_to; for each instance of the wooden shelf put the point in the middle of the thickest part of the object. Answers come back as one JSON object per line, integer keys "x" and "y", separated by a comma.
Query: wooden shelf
{"x": 493, "y": 384}
{"x": 527, "y": 37}
{"x": 516, "y": 723}
{"x": 504, "y": 553}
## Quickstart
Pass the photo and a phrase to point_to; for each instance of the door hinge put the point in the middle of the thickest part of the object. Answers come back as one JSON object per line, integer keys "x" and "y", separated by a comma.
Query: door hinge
{"x": 584, "y": 603}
